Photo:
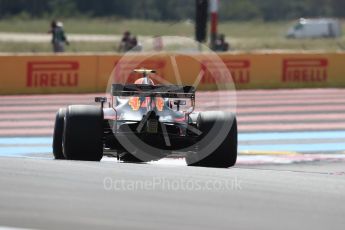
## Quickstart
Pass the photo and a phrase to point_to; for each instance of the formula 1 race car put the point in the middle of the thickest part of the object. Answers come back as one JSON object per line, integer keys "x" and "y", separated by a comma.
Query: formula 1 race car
{"x": 144, "y": 122}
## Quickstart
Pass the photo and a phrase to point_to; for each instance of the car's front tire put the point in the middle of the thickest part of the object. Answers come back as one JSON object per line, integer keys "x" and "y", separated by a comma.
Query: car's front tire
{"x": 83, "y": 132}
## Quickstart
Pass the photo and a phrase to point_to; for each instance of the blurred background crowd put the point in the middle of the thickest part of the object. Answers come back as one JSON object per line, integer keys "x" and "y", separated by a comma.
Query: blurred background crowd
{"x": 120, "y": 26}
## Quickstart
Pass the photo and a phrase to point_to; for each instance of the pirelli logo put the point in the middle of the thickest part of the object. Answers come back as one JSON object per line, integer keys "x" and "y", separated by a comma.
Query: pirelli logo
{"x": 52, "y": 74}
{"x": 305, "y": 70}
{"x": 219, "y": 72}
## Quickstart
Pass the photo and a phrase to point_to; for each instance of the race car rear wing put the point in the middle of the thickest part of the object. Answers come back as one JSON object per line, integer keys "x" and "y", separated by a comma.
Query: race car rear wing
{"x": 165, "y": 91}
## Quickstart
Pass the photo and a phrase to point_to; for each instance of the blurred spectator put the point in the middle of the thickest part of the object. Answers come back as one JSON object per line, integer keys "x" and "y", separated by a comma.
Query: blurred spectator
{"x": 221, "y": 44}
{"x": 134, "y": 44}
{"x": 129, "y": 43}
{"x": 157, "y": 43}
{"x": 133, "y": 41}
{"x": 58, "y": 37}
{"x": 125, "y": 42}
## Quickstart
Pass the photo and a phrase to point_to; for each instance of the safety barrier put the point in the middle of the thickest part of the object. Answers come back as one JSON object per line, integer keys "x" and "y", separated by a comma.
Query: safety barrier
{"x": 35, "y": 74}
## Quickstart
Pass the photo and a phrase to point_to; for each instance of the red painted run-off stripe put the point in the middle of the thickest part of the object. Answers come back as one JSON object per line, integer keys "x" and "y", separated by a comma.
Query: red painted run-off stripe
{"x": 283, "y": 101}
{"x": 292, "y": 127}
{"x": 24, "y": 102}
{"x": 305, "y": 109}
{"x": 296, "y": 117}
{"x": 24, "y": 124}
{"x": 27, "y": 132}
{"x": 278, "y": 93}
{"x": 28, "y": 116}
{"x": 33, "y": 108}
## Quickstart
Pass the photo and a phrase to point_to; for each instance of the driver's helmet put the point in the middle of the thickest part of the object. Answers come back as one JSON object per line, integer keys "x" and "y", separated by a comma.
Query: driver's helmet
{"x": 142, "y": 102}
{"x": 143, "y": 81}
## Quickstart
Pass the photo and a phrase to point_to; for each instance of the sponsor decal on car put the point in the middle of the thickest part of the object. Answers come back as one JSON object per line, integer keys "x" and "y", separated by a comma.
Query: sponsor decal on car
{"x": 134, "y": 102}
{"x": 159, "y": 104}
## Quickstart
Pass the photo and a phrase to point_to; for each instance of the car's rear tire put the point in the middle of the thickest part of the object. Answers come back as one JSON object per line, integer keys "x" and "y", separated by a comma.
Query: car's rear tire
{"x": 58, "y": 133}
{"x": 225, "y": 155}
{"x": 83, "y": 132}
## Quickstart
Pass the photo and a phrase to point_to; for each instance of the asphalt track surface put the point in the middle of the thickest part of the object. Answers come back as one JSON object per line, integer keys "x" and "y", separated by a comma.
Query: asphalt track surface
{"x": 268, "y": 189}
{"x": 48, "y": 194}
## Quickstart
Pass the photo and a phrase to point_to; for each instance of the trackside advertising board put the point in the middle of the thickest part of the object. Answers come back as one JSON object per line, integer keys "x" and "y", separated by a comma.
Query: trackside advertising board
{"x": 47, "y": 74}
{"x": 36, "y": 74}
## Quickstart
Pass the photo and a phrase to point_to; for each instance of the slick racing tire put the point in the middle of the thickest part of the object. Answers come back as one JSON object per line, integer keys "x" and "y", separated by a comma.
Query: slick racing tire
{"x": 83, "y": 132}
{"x": 223, "y": 156}
{"x": 58, "y": 133}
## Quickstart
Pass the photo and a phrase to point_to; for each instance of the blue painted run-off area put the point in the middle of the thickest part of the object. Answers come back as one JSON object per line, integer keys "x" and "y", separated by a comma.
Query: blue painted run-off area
{"x": 18, "y": 146}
